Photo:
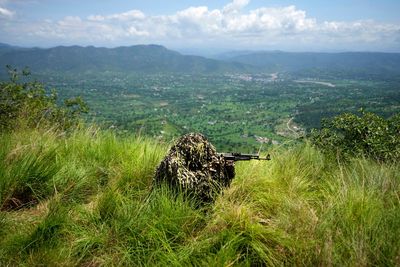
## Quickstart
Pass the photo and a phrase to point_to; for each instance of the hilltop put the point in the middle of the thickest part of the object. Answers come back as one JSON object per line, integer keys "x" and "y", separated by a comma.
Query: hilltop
{"x": 88, "y": 201}
{"x": 73, "y": 194}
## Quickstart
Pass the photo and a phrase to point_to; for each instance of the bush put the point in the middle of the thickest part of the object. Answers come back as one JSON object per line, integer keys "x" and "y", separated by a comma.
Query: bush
{"x": 367, "y": 135}
{"x": 27, "y": 103}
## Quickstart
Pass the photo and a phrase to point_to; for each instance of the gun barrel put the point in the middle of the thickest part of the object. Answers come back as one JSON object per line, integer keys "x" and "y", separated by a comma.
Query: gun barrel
{"x": 240, "y": 156}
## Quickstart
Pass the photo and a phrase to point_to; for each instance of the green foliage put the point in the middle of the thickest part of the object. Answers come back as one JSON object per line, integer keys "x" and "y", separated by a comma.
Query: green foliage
{"x": 37, "y": 164}
{"x": 367, "y": 135}
{"x": 26, "y": 103}
{"x": 25, "y": 183}
{"x": 98, "y": 208}
{"x": 49, "y": 231}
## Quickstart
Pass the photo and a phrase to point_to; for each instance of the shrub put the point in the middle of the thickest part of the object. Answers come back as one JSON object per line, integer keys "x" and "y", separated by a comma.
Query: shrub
{"x": 366, "y": 135}
{"x": 27, "y": 103}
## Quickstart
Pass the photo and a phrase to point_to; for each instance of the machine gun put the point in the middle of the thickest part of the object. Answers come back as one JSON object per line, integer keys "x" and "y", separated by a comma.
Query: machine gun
{"x": 240, "y": 156}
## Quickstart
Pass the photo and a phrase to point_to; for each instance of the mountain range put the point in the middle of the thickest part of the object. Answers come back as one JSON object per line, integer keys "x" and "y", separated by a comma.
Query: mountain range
{"x": 371, "y": 62}
{"x": 158, "y": 59}
{"x": 138, "y": 58}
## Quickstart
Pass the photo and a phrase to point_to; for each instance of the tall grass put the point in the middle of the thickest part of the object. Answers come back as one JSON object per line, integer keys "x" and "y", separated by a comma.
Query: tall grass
{"x": 91, "y": 204}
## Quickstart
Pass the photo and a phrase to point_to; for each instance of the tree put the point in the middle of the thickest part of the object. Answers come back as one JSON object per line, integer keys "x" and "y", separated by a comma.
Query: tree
{"x": 24, "y": 102}
{"x": 367, "y": 135}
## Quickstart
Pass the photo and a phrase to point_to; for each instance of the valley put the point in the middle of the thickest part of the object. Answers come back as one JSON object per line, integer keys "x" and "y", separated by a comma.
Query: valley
{"x": 237, "y": 112}
{"x": 238, "y": 102}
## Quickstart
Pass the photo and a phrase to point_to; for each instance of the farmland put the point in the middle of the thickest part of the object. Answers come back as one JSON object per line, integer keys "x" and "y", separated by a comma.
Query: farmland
{"x": 235, "y": 111}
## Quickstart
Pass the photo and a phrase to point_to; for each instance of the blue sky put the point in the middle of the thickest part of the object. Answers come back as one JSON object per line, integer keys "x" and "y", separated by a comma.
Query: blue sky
{"x": 352, "y": 25}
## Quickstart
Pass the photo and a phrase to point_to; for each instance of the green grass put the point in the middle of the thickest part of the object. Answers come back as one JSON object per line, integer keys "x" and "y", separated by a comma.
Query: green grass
{"x": 90, "y": 203}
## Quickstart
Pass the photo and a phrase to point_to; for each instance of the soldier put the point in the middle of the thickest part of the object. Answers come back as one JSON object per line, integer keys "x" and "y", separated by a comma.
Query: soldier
{"x": 194, "y": 166}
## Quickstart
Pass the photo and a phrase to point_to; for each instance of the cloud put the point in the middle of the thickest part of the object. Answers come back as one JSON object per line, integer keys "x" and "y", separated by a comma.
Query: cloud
{"x": 73, "y": 29}
{"x": 233, "y": 25}
{"x": 5, "y": 13}
{"x": 125, "y": 16}
{"x": 235, "y": 6}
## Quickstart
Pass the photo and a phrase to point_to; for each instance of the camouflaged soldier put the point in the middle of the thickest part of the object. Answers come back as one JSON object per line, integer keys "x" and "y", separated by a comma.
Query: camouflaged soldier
{"x": 193, "y": 166}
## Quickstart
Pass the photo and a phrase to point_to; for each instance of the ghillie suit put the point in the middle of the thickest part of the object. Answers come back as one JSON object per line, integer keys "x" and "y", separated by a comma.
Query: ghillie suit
{"x": 193, "y": 166}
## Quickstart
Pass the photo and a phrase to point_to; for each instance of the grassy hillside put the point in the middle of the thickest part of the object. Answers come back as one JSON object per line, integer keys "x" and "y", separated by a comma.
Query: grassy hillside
{"x": 85, "y": 199}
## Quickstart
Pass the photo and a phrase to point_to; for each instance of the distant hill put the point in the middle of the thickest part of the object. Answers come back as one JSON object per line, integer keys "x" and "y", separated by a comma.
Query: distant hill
{"x": 357, "y": 62}
{"x": 232, "y": 54}
{"x": 4, "y": 48}
{"x": 138, "y": 58}
{"x": 158, "y": 59}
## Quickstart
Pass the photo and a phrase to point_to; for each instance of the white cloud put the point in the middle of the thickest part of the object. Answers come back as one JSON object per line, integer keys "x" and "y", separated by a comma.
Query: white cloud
{"x": 125, "y": 16}
{"x": 232, "y": 25}
{"x": 135, "y": 32}
{"x": 235, "y": 6}
{"x": 6, "y": 13}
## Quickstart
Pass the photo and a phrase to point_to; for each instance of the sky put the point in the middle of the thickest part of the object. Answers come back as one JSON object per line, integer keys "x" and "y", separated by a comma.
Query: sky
{"x": 218, "y": 25}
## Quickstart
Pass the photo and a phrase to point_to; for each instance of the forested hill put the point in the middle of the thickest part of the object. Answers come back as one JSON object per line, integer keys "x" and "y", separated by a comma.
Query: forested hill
{"x": 138, "y": 58}
{"x": 356, "y": 62}
{"x": 158, "y": 59}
